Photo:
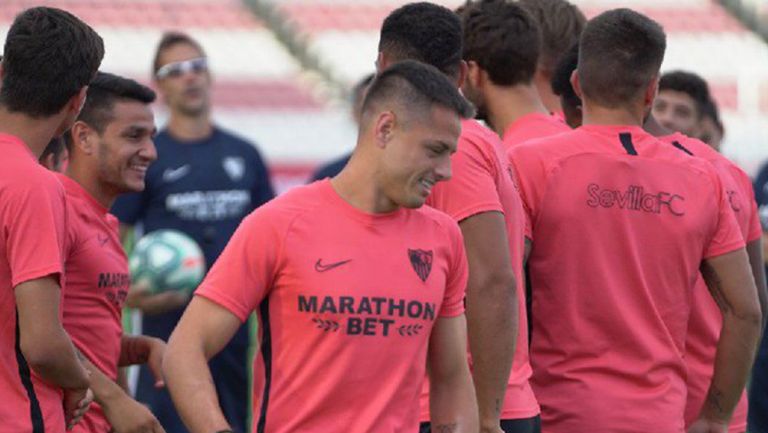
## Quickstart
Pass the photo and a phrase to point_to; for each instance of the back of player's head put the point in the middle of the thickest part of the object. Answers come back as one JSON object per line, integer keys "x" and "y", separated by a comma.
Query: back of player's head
{"x": 105, "y": 90}
{"x": 425, "y": 32}
{"x": 690, "y": 84}
{"x": 171, "y": 39}
{"x": 503, "y": 39}
{"x": 415, "y": 87}
{"x": 49, "y": 56}
{"x": 562, "y": 87}
{"x": 561, "y": 24}
{"x": 620, "y": 54}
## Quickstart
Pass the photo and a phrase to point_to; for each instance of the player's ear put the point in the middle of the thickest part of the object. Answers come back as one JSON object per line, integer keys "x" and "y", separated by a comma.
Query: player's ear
{"x": 576, "y": 84}
{"x": 83, "y": 137}
{"x": 384, "y": 128}
{"x": 382, "y": 62}
{"x": 474, "y": 73}
{"x": 651, "y": 91}
{"x": 463, "y": 71}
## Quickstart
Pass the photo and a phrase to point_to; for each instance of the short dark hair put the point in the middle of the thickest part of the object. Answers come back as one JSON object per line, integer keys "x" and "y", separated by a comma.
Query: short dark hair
{"x": 689, "y": 83}
{"x": 170, "y": 39}
{"x": 417, "y": 86}
{"x": 49, "y": 55}
{"x": 620, "y": 53}
{"x": 561, "y": 24}
{"x": 425, "y": 32}
{"x": 503, "y": 39}
{"x": 561, "y": 78}
{"x": 104, "y": 91}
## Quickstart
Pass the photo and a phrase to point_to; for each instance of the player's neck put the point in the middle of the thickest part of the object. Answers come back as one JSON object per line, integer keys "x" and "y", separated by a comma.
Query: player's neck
{"x": 598, "y": 115}
{"x": 190, "y": 128}
{"x": 356, "y": 184}
{"x": 87, "y": 177}
{"x": 35, "y": 133}
{"x": 508, "y": 104}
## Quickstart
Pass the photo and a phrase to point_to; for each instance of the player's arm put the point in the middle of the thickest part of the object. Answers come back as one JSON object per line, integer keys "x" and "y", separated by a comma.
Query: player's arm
{"x": 204, "y": 329}
{"x": 756, "y": 262}
{"x": 732, "y": 285}
{"x": 46, "y": 346}
{"x": 491, "y": 311}
{"x": 141, "y": 349}
{"x": 124, "y": 414}
{"x": 452, "y": 403}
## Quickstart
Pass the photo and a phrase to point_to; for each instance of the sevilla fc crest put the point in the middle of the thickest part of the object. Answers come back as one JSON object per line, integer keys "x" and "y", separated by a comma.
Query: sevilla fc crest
{"x": 235, "y": 167}
{"x": 421, "y": 261}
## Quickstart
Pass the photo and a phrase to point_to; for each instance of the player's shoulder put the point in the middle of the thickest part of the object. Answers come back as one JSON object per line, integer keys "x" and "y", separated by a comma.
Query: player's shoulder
{"x": 234, "y": 141}
{"x": 283, "y": 209}
{"x": 439, "y": 220}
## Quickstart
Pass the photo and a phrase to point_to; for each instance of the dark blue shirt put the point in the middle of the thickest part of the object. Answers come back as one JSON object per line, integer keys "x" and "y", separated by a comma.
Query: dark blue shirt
{"x": 331, "y": 169}
{"x": 758, "y": 395}
{"x": 202, "y": 188}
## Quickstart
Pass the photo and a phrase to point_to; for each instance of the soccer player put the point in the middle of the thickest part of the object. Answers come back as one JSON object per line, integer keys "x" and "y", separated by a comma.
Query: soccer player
{"x": 204, "y": 183}
{"x": 706, "y": 319}
{"x": 680, "y": 104}
{"x": 334, "y": 167}
{"x": 561, "y": 24}
{"x": 610, "y": 320}
{"x": 480, "y": 196}
{"x": 50, "y": 56}
{"x": 501, "y": 49}
{"x": 110, "y": 147}
{"x": 359, "y": 287}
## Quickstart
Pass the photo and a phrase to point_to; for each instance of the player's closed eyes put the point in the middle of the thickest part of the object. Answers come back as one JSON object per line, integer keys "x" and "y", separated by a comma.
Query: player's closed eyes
{"x": 178, "y": 69}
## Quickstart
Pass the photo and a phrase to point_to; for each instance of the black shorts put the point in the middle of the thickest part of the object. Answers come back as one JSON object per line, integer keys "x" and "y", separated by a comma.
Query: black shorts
{"x": 525, "y": 425}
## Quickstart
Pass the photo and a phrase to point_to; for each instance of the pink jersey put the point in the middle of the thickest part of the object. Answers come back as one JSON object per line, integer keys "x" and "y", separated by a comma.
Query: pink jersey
{"x": 347, "y": 301}
{"x": 621, "y": 222}
{"x": 532, "y": 126}
{"x": 97, "y": 283}
{"x": 31, "y": 247}
{"x": 706, "y": 319}
{"x": 482, "y": 182}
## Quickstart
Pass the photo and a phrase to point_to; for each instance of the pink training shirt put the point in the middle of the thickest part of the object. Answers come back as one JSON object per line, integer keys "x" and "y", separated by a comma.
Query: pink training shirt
{"x": 706, "y": 318}
{"x": 621, "y": 222}
{"x": 347, "y": 301}
{"x": 31, "y": 247}
{"x": 97, "y": 284}
{"x": 482, "y": 182}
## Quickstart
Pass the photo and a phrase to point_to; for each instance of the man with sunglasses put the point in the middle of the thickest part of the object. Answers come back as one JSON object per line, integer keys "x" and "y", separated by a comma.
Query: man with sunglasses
{"x": 204, "y": 182}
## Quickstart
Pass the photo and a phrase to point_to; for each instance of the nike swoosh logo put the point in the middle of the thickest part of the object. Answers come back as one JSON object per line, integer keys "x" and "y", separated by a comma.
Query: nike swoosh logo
{"x": 174, "y": 174}
{"x": 320, "y": 267}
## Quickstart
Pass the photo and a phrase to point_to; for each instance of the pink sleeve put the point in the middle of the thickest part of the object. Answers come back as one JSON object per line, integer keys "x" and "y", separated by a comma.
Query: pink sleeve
{"x": 244, "y": 272}
{"x": 456, "y": 283}
{"x": 529, "y": 175}
{"x": 472, "y": 187}
{"x": 727, "y": 235}
{"x": 35, "y": 224}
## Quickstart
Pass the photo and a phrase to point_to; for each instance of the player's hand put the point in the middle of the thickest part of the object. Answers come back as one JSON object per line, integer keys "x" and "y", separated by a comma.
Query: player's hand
{"x": 142, "y": 298}
{"x": 126, "y": 415}
{"x": 703, "y": 425}
{"x": 155, "y": 361}
{"x": 76, "y": 404}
